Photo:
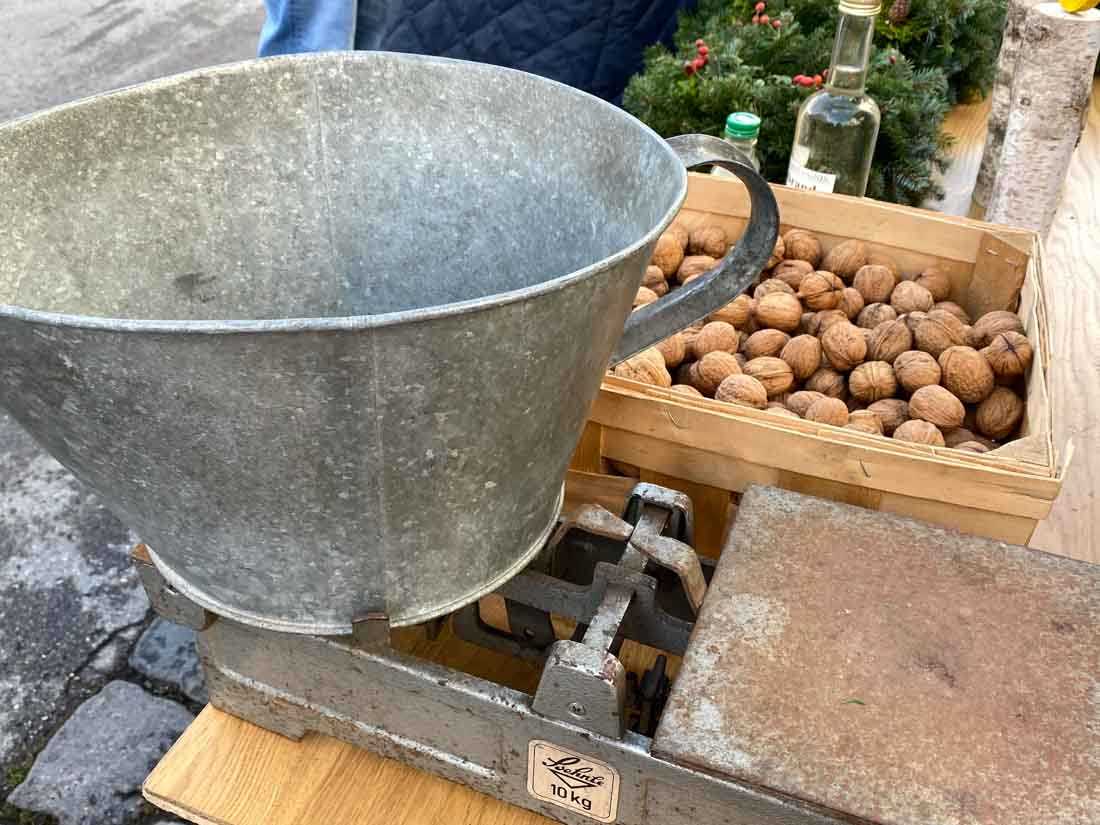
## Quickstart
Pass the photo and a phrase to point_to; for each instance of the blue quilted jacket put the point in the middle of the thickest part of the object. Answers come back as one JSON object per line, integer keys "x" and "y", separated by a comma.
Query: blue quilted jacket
{"x": 595, "y": 45}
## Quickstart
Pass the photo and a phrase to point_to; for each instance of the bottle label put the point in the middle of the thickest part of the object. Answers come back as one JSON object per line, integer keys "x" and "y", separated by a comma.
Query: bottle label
{"x": 800, "y": 177}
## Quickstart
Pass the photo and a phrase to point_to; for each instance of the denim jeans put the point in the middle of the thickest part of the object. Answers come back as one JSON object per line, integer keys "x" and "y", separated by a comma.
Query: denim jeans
{"x": 294, "y": 26}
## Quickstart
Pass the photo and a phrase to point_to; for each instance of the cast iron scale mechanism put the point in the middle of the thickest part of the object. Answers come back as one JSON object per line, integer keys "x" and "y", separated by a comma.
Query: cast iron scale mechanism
{"x": 324, "y": 331}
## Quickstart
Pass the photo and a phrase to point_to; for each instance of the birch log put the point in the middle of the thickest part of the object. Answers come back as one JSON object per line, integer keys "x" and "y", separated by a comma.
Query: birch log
{"x": 1050, "y": 97}
{"x": 1000, "y": 99}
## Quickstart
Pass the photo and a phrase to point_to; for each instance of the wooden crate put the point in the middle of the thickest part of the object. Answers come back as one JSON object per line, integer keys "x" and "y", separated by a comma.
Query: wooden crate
{"x": 712, "y": 450}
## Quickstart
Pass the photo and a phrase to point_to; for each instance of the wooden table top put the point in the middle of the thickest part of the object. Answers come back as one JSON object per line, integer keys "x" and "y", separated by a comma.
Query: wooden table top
{"x": 229, "y": 772}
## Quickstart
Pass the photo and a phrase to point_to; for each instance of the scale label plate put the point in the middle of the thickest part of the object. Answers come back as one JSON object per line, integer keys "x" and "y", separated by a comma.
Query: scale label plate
{"x": 572, "y": 781}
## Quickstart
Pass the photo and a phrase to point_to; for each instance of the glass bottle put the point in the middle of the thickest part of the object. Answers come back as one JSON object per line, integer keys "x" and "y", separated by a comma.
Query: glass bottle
{"x": 834, "y": 138}
{"x": 742, "y": 130}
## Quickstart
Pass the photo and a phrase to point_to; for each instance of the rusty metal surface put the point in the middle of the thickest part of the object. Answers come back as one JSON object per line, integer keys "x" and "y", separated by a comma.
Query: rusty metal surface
{"x": 894, "y": 671}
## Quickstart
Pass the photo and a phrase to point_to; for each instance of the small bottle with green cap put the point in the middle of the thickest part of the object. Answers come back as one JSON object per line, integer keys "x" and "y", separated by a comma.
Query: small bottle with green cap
{"x": 837, "y": 126}
{"x": 742, "y": 130}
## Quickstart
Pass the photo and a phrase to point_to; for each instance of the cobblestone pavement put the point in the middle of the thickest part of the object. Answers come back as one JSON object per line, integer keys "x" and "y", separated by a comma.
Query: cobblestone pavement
{"x": 78, "y": 690}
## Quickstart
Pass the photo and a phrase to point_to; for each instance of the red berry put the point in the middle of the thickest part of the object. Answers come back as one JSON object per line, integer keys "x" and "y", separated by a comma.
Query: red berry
{"x": 796, "y": 79}
{"x": 806, "y": 81}
{"x": 765, "y": 20}
{"x": 777, "y": 23}
{"x": 699, "y": 43}
{"x": 760, "y": 7}
{"x": 689, "y": 68}
{"x": 704, "y": 51}
{"x": 825, "y": 73}
{"x": 817, "y": 80}
{"x": 893, "y": 60}
{"x": 755, "y": 19}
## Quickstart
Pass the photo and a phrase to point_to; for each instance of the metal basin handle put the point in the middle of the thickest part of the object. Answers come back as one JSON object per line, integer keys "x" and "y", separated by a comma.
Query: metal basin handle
{"x": 683, "y": 307}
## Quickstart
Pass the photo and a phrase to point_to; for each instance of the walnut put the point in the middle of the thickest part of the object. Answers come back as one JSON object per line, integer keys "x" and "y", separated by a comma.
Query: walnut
{"x": 871, "y": 381}
{"x": 644, "y": 296}
{"x": 736, "y": 313}
{"x": 779, "y": 311}
{"x": 938, "y": 331}
{"x": 802, "y": 245}
{"x": 827, "y": 381}
{"x": 845, "y": 259}
{"x": 972, "y": 447}
{"x": 844, "y": 346}
{"x": 765, "y": 342}
{"x": 708, "y": 240}
{"x": 772, "y": 285}
{"x": 875, "y": 283}
{"x": 953, "y": 438}
{"x": 655, "y": 279}
{"x": 919, "y": 432}
{"x": 711, "y": 370}
{"x": 892, "y": 412}
{"x": 825, "y": 319}
{"x": 742, "y": 389}
{"x": 954, "y": 309}
{"x": 694, "y": 266}
{"x": 966, "y": 374}
{"x": 667, "y": 255}
{"x": 820, "y": 290}
{"x": 913, "y": 319}
{"x": 716, "y": 336}
{"x": 686, "y": 389}
{"x": 1009, "y": 354}
{"x": 779, "y": 409}
{"x": 680, "y": 233}
{"x": 792, "y": 272}
{"x": 774, "y": 373}
{"x": 803, "y": 355}
{"x": 889, "y": 340}
{"x": 936, "y": 281}
{"x": 910, "y": 297}
{"x": 647, "y": 366}
{"x": 991, "y": 324}
{"x": 851, "y": 302}
{"x": 915, "y": 369}
{"x": 865, "y": 421}
{"x": 690, "y": 332}
{"x": 800, "y": 401}
{"x": 938, "y": 406}
{"x": 877, "y": 258}
{"x": 1000, "y": 414}
{"x": 875, "y": 314}
{"x": 828, "y": 411}
{"x": 674, "y": 350}
{"x": 777, "y": 252}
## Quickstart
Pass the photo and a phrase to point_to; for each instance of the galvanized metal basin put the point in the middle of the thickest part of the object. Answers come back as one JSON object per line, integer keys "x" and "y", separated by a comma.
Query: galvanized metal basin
{"x": 324, "y": 329}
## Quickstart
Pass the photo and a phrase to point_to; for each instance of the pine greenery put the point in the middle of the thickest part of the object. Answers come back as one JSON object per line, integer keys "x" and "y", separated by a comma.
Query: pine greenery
{"x": 937, "y": 55}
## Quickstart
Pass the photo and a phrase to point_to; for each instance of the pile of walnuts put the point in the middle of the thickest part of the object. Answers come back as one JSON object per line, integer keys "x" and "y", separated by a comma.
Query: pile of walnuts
{"x": 843, "y": 338}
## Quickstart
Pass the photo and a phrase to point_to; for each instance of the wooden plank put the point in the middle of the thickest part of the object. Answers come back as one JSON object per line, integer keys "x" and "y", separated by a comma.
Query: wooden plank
{"x": 998, "y": 277}
{"x": 842, "y": 216}
{"x": 610, "y": 492}
{"x": 719, "y": 470}
{"x": 588, "y": 457}
{"x": 224, "y": 771}
{"x": 867, "y": 464}
{"x": 1072, "y": 271}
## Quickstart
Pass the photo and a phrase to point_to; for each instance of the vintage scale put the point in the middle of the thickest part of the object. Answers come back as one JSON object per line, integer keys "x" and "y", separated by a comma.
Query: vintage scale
{"x": 324, "y": 330}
